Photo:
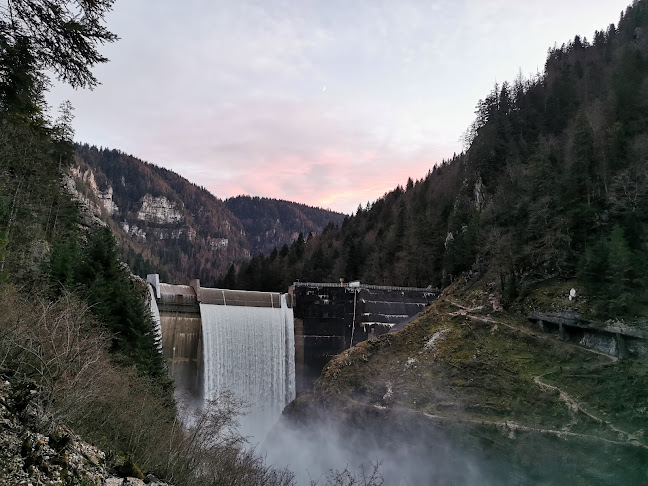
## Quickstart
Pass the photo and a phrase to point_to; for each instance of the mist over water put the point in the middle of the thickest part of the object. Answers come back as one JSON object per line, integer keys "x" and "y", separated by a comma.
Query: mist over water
{"x": 406, "y": 456}
{"x": 249, "y": 351}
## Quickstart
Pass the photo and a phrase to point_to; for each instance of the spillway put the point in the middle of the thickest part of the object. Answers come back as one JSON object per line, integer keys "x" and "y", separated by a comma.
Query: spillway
{"x": 250, "y": 343}
{"x": 250, "y": 352}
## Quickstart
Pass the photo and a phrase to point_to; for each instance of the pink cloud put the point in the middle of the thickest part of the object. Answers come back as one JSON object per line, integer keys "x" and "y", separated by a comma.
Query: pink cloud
{"x": 335, "y": 180}
{"x": 230, "y": 95}
{"x": 286, "y": 149}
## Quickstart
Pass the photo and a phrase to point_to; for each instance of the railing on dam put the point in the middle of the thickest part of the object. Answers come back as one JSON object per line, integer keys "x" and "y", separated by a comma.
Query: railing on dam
{"x": 355, "y": 285}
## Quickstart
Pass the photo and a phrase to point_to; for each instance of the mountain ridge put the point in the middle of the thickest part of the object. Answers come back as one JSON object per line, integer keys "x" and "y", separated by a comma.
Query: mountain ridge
{"x": 168, "y": 225}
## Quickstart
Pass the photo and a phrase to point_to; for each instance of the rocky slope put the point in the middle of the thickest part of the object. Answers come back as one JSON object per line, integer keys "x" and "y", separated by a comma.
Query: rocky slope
{"x": 180, "y": 230}
{"x": 36, "y": 450}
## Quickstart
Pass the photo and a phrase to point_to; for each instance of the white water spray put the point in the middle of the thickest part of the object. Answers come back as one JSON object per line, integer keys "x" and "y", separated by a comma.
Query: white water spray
{"x": 155, "y": 318}
{"x": 250, "y": 351}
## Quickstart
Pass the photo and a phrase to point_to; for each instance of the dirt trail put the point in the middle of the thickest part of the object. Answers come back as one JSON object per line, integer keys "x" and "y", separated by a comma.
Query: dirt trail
{"x": 512, "y": 427}
{"x": 575, "y": 407}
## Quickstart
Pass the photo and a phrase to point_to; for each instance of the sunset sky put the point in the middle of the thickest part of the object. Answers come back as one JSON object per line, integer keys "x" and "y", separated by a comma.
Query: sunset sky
{"x": 329, "y": 103}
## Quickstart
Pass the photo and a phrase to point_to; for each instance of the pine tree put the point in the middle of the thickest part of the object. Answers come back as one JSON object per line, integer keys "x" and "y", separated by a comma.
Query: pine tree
{"x": 618, "y": 272}
{"x": 229, "y": 282}
{"x": 58, "y": 35}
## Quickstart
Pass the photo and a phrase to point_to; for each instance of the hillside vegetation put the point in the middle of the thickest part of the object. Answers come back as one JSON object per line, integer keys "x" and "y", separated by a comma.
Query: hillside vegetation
{"x": 553, "y": 183}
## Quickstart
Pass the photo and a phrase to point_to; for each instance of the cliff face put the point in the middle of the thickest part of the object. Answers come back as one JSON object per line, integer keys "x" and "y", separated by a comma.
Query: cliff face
{"x": 158, "y": 210}
{"x": 167, "y": 225}
{"x": 97, "y": 199}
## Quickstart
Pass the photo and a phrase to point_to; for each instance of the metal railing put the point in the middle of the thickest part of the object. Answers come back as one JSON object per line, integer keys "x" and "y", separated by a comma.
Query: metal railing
{"x": 353, "y": 285}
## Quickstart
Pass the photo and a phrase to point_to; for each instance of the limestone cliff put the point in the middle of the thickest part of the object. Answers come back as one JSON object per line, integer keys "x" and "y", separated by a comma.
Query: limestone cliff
{"x": 158, "y": 210}
{"x": 170, "y": 226}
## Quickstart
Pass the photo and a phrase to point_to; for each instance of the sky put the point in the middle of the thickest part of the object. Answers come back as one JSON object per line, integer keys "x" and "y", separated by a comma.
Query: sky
{"x": 328, "y": 103}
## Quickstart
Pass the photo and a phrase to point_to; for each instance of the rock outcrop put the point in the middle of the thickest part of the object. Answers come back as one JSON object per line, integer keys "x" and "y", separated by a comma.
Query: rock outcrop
{"x": 36, "y": 450}
{"x": 158, "y": 210}
{"x": 97, "y": 199}
{"x": 179, "y": 228}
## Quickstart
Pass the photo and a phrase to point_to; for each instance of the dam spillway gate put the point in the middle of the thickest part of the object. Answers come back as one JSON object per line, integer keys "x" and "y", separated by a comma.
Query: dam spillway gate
{"x": 269, "y": 346}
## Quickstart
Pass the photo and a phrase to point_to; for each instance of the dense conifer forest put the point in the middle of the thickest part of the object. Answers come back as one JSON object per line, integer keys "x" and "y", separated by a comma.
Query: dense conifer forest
{"x": 269, "y": 223}
{"x": 553, "y": 183}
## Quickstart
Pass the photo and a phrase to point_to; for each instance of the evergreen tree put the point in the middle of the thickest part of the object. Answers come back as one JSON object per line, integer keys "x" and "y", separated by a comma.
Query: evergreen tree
{"x": 618, "y": 276}
{"x": 59, "y": 35}
{"x": 229, "y": 282}
{"x": 95, "y": 272}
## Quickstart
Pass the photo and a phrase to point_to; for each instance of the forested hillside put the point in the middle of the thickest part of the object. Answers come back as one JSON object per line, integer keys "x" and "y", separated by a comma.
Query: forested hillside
{"x": 164, "y": 224}
{"x": 550, "y": 195}
{"x": 553, "y": 182}
{"x": 167, "y": 225}
{"x": 270, "y": 223}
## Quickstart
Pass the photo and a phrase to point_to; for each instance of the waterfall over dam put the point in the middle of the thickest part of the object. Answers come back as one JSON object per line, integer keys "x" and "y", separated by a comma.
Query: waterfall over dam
{"x": 250, "y": 351}
{"x": 267, "y": 347}
{"x": 217, "y": 340}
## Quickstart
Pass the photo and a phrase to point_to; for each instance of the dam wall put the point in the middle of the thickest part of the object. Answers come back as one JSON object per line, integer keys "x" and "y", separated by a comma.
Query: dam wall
{"x": 268, "y": 347}
{"x": 217, "y": 341}
{"x": 181, "y": 324}
{"x": 330, "y": 318}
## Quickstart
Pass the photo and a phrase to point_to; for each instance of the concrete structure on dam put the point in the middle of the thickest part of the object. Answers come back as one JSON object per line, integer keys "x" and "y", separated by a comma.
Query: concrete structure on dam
{"x": 181, "y": 315}
{"x": 328, "y": 318}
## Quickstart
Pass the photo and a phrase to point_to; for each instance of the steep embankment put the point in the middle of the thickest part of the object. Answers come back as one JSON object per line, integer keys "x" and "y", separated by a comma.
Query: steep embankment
{"x": 522, "y": 404}
{"x": 35, "y": 449}
{"x": 170, "y": 226}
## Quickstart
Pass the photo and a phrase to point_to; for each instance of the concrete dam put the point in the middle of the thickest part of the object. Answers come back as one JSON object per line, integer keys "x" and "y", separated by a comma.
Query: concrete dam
{"x": 266, "y": 347}
{"x": 330, "y": 318}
